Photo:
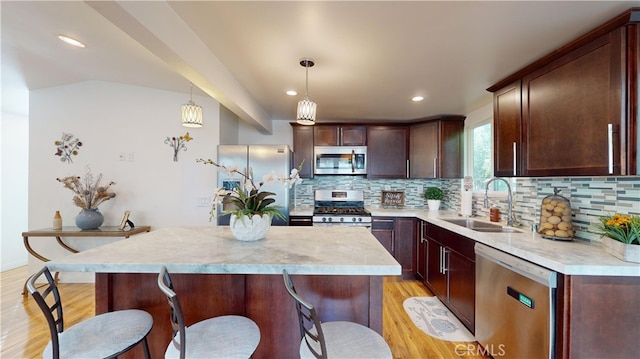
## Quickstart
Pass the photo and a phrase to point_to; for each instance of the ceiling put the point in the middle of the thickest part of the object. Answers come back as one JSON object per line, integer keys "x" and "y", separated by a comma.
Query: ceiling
{"x": 371, "y": 56}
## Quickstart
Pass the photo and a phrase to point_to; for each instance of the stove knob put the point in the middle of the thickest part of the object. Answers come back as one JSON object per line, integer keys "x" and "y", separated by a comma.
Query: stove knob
{"x": 330, "y": 219}
{"x": 324, "y": 219}
{"x": 359, "y": 219}
{"x": 354, "y": 219}
{"x": 341, "y": 219}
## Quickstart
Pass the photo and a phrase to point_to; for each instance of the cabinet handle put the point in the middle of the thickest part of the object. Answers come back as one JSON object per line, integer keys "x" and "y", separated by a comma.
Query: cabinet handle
{"x": 515, "y": 158}
{"x": 435, "y": 167}
{"x": 339, "y": 136}
{"x": 441, "y": 260}
{"x": 407, "y": 168}
{"x": 393, "y": 242}
{"x": 610, "y": 147}
{"x": 445, "y": 266}
{"x": 421, "y": 232}
{"x": 382, "y": 220}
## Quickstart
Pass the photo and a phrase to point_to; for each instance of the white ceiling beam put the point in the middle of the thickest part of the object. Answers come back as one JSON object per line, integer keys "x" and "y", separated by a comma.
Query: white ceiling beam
{"x": 159, "y": 29}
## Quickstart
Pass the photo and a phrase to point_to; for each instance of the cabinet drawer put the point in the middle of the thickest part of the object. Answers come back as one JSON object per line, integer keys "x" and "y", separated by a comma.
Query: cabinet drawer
{"x": 454, "y": 241}
{"x": 300, "y": 221}
{"x": 382, "y": 223}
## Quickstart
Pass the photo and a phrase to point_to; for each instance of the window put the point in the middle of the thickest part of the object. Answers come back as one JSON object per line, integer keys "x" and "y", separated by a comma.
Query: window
{"x": 480, "y": 156}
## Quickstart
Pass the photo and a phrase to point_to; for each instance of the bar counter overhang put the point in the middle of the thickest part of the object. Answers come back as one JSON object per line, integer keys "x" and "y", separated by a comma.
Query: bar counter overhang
{"x": 340, "y": 270}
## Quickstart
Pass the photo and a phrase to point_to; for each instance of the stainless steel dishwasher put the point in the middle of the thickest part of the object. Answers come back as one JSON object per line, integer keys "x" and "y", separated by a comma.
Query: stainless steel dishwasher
{"x": 515, "y": 306}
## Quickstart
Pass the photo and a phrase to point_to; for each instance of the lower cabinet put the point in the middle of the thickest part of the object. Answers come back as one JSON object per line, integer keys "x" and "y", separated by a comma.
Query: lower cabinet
{"x": 398, "y": 236}
{"x": 421, "y": 251}
{"x": 451, "y": 272}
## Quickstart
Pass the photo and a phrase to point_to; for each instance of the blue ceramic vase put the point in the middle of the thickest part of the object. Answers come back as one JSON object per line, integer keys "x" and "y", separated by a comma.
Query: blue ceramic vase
{"x": 89, "y": 219}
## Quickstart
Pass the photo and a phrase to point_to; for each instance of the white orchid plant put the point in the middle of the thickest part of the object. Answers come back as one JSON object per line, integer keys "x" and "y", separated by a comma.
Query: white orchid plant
{"x": 248, "y": 199}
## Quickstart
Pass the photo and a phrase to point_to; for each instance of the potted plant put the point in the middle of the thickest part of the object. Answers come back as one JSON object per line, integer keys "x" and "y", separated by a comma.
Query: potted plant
{"x": 434, "y": 196}
{"x": 621, "y": 236}
{"x": 250, "y": 208}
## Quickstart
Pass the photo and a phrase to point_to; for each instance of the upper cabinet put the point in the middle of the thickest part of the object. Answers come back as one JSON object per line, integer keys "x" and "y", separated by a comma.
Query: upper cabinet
{"x": 340, "y": 135}
{"x": 387, "y": 151}
{"x": 507, "y": 130}
{"x": 303, "y": 149}
{"x": 436, "y": 148}
{"x": 575, "y": 111}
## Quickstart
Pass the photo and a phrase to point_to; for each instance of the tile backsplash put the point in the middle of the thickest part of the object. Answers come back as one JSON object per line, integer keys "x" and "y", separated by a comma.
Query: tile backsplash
{"x": 590, "y": 197}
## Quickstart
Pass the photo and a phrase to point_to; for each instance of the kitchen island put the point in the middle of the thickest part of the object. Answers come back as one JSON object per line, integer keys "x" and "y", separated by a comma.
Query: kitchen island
{"x": 338, "y": 269}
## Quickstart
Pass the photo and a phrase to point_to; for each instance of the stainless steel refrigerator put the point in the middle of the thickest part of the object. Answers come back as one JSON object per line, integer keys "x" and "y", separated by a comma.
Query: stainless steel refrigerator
{"x": 262, "y": 159}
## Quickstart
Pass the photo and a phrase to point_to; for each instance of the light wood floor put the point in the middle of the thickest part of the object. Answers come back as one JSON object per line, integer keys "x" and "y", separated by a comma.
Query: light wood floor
{"x": 25, "y": 334}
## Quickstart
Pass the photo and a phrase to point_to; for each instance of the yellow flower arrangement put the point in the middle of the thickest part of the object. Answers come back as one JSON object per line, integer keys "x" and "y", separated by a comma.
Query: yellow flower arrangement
{"x": 624, "y": 228}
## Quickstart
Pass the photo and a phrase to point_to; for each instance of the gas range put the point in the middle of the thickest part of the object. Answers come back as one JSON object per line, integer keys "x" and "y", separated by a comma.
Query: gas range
{"x": 340, "y": 207}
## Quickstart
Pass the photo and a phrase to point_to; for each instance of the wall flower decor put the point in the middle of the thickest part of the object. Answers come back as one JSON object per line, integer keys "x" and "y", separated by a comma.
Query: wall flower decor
{"x": 178, "y": 143}
{"x": 67, "y": 146}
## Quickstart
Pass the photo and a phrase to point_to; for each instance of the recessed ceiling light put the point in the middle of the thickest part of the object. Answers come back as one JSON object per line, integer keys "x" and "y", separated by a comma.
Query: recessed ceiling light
{"x": 417, "y": 98}
{"x": 291, "y": 93}
{"x": 71, "y": 41}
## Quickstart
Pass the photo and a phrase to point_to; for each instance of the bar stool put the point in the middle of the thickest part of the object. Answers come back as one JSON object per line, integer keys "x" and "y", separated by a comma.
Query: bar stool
{"x": 337, "y": 339}
{"x": 103, "y": 336}
{"x": 227, "y": 336}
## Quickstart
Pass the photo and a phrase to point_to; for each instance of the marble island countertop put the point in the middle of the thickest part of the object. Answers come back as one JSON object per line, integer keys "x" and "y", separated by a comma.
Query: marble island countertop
{"x": 567, "y": 257}
{"x": 213, "y": 250}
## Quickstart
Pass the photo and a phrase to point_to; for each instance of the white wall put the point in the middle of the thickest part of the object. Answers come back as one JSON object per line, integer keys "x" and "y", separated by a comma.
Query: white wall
{"x": 282, "y": 134}
{"x": 113, "y": 119}
{"x": 14, "y": 151}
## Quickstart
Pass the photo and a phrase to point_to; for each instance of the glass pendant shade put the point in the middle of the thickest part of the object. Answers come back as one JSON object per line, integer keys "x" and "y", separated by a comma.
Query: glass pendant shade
{"x": 306, "y": 112}
{"x": 191, "y": 115}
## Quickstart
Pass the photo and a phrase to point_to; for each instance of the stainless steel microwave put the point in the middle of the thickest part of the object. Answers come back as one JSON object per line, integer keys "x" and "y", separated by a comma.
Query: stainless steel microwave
{"x": 340, "y": 160}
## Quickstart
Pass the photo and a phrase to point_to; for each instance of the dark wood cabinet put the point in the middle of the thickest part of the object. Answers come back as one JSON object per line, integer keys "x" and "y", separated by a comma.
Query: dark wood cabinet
{"x": 398, "y": 236}
{"x": 387, "y": 151}
{"x": 507, "y": 131}
{"x": 382, "y": 229}
{"x": 575, "y": 111}
{"x": 340, "y": 135}
{"x": 587, "y": 307}
{"x": 436, "y": 276}
{"x": 436, "y": 148}
{"x": 572, "y": 111}
{"x": 405, "y": 245}
{"x": 451, "y": 273}
{"x": 303, "y": 149}
{"x": 421, "y": 251}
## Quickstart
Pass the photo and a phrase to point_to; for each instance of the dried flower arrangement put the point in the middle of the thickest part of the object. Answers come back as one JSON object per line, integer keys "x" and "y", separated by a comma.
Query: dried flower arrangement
{"x": 89, "y": 194}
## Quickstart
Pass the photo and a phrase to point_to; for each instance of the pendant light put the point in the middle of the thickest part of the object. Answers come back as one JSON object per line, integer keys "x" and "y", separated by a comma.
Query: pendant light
{"x": 191, "y": 113}
{"x": 306, "y": 108}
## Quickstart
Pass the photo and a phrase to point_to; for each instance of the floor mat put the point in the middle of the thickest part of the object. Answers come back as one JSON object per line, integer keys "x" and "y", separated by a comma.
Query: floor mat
{"x": 433, "y": 318}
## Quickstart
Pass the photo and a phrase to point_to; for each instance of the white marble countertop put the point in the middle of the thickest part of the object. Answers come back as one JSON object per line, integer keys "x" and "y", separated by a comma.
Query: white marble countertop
{"x": 213, "y": 250}
{"x": 567, "y": 257}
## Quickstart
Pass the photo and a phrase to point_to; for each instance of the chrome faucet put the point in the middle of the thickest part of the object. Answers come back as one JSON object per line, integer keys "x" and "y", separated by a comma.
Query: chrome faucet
{"x": 511, "y": 219}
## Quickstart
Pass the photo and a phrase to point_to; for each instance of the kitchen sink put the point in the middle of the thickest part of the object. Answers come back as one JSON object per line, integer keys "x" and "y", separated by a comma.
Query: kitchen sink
{"x": 473, "y": 224}
{"x": 481, "y": 226}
